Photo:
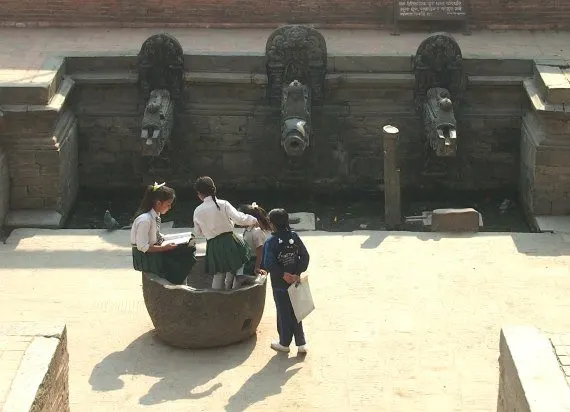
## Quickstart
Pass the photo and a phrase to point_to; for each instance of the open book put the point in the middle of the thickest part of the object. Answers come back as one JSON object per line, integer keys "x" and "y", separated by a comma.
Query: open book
{"x": 180, "y": 238}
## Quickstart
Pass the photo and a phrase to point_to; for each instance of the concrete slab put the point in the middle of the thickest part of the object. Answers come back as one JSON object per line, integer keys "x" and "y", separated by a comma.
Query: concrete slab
{"x": 404, "y": 322}
{"x": 531, "y": 377}
{"x": 554, "y": 224}
{"x": 302, "y": 221}
{"x": 43, "y": 219}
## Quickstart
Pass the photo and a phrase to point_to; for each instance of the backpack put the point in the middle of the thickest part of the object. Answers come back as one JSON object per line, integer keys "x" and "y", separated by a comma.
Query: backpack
{"x": 288, "y": 254}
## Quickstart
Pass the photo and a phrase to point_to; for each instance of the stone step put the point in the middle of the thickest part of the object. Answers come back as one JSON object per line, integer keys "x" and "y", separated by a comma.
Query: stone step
{"x": 538, "y": 100}
{"x": 34, "y": 87}
{"x": 553, "y": 83}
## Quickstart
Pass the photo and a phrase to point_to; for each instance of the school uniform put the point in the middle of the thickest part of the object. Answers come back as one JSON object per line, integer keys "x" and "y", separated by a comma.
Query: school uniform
{"x": 254, "y": 237}
{"x": 287, "y": 325}
{"x": 173, "y": 265}
{"x": 226, "y": 253}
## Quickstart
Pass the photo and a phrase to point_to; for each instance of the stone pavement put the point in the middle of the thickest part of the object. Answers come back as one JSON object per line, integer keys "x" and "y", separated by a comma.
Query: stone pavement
{"x": 23, "y": 51}
{"x": 404, "y": 322}
{"x": 12, "y": 350}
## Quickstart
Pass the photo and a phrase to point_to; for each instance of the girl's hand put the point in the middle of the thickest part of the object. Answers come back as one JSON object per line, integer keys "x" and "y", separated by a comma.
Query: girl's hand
{"x": 259, "y": 271}
{"x": 169, "y": 246}
{"x": 290, "y": 278}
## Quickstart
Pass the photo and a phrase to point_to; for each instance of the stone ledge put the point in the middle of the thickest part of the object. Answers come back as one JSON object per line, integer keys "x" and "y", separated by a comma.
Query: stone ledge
{"x": 552, "y": 83}
{"x": 55, "y": 103}
{"x": 44, "y": 219}
{"x": 531, "y": 379}
{"x": 41, "y": 382}
{"x": 37, "y": 90}
{"x": 539, "y": 104}
{"x": 553, "y": 224}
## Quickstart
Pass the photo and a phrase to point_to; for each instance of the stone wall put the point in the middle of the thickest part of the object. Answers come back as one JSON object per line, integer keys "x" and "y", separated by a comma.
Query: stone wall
{"x": 499, "y": 14}
{"x": 4, "y": 186}
{"x": 41, "y": 145}
{"x": 230, "y": 132}
{"x": 531, "y": 379}
{"x": 545, "y": 149}
{"x": 41, "y": 382}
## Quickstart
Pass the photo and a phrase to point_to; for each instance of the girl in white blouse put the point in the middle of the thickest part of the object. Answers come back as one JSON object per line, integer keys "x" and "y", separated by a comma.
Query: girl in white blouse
{"x": 226, "y": 253}
{"x": 150, "y": 252}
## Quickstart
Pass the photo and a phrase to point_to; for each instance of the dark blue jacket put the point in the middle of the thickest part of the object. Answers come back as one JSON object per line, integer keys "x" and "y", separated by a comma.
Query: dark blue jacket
{"x": 270, "y": 263}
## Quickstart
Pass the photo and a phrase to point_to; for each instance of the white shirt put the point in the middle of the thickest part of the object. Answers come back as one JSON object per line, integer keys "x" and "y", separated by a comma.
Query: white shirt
{"x": 211, "y": 222}
{"x": 255, "y": 237}
{"x": 143, "y": 232}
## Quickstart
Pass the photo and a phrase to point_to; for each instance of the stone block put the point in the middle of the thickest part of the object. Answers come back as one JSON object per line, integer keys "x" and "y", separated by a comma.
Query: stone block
{"x": 46, "y": 219}
{"x": 531, "y": 379}
{"x": 302, "y": 221}
{"x": 231, "y": 62}
{"x": 498, "y": 67}
{"x": 41, "y": 382}
{"x": 553, "y": 84}
{"x": 372, "y": 64}
{"x": 4, "y": 186}
{"x": 456, "y": 220}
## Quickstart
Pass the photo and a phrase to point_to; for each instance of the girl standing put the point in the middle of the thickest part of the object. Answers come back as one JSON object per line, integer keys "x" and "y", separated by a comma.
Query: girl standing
{"x": 214, "y": 218}
{"x": 150, "y": 252}
{"x": 285, "y": 257}
{"x": 255, "y": 239}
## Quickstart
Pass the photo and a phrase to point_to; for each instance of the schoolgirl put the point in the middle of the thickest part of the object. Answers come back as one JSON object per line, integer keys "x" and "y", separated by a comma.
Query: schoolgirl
{"x": 226, "y": 253}
{"x": 150, "y": 251}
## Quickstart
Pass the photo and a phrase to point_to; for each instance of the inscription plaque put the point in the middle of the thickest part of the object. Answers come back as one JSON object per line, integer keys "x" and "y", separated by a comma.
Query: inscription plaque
{"x": 430, "y": 9}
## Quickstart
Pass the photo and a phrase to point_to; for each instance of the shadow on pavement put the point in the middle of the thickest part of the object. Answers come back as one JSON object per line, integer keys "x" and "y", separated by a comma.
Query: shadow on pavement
{"x": 180, "y": 372}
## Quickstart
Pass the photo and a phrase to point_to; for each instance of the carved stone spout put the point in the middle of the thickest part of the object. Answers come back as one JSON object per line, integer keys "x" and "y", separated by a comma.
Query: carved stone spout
{"x": 440, "y": 124}
{"x": 157, "y": 122}
{"x": 161, "y": 85}
{"x": 296, "y": 118}
{"x": 439, "y": 88}
{"x": 296, "y": 70}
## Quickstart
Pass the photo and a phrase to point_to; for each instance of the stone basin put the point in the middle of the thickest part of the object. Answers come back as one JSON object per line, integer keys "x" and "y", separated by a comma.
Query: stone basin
{"x": 196, "y": 317}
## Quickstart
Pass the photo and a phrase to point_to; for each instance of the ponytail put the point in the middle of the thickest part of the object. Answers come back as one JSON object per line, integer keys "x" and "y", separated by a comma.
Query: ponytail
{"x": 206, "y": 187}
{"x": 154, "y": 193}
{"x": 258, "y": 213}
{"x": 215, "y": 201}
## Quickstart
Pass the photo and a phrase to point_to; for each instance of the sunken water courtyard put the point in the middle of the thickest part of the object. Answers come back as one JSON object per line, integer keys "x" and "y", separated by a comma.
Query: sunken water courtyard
{"x": 426, "y": 172}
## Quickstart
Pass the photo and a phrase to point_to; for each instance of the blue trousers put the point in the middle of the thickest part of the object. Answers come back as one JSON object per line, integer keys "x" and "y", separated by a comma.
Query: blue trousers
{"x": 287, "y": 325}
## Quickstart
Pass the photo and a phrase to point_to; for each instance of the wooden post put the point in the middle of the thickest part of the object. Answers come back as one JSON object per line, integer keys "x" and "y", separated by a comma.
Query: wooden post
{"x": 392, "y": 202}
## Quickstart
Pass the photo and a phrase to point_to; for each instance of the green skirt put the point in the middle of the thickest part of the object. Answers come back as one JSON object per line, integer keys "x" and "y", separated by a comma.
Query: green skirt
{"x": 225, "y": 253}
{"x": 174, "y": 265}
{"x": 249, "y": 267}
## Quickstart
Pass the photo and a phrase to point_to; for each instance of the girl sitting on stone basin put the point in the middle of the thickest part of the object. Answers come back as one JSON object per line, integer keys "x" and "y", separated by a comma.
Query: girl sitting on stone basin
{"x": 226, "y": 253}
{"x": 150, "y": 252}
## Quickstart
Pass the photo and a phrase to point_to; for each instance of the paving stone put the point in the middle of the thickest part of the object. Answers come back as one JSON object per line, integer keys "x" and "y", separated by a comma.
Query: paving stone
{"x": 389, "y": 319}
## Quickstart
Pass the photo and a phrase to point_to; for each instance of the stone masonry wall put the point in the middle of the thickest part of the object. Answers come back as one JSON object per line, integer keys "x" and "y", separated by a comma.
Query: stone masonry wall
{"x": 42, "y": 151}
{"x": 498, "y": 14}
{"x": 229, "y": 132}
{"x": 4, "y": 186}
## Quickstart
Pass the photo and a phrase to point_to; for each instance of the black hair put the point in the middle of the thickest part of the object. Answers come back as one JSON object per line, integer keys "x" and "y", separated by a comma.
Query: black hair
{"x": 258, "y": 213}
{"x": 205, "y": 186}
{"x": 153, "y": 194}
{"x": 279, "y": 218}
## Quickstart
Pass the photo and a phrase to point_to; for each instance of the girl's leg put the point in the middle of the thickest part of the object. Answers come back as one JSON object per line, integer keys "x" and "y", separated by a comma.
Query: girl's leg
{"x": 298, "y": 333}
{"x": 284, "y": 319}
{"x": 218, "y": 281}
{"x": 229, "y": 280}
